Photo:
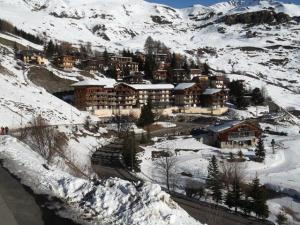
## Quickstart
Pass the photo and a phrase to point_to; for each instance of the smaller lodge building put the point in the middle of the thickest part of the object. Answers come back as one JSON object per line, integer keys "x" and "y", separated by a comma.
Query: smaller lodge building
{"x": 235, "y": 134}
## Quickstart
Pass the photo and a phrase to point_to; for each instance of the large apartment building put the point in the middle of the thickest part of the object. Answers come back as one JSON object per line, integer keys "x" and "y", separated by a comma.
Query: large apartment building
{"x": 108, "y": 94}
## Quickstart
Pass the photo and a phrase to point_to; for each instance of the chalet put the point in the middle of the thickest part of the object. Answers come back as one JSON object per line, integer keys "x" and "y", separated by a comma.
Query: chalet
{"x": 65, "y": 62}
{"x": 140, "y": 55}
{"x": 123, "y": 64}
{"x": 134, "y": 78}
{"x": 180, "y": 75}
{"x": 160, "y": 94}
{"x": 194, "y": 73}
{"x": 214, "y": 97}
{"x": 217, "y": 81}
{"x": 93, "y": 65}
{"x": 31, "y": 57}
{"x": 160, "y": 75}
{"x": 160, "y": 57}
{"x": 203, "y": 80}
{"x": 235, "y": 134}
{"x": 187, "y": 94}
{"x": 94, "y": 94}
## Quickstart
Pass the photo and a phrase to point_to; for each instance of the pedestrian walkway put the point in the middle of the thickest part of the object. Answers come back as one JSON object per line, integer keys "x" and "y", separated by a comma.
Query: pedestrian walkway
{"x": 17, "y": 206}
{"x": 7, "y": 217}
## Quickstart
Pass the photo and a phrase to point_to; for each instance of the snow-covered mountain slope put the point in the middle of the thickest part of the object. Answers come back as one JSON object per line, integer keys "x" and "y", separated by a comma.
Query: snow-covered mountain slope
{"x": 252, "y": 40}
{"x": 21, "y": 100}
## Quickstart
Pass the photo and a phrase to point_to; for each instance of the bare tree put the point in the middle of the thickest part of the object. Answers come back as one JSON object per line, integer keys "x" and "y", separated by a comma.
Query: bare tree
{"x": 232, "y": 171}
{"x": 166, "y": 166}
{"x": 45, "y": 139}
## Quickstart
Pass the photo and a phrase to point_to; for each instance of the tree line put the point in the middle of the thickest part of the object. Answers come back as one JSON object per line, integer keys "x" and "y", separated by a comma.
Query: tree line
{"x": 6, "y": 26}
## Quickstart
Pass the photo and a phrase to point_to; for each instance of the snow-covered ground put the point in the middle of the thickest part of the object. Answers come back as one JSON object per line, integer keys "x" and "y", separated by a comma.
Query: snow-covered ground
{"x": 112, "y": 201}
{"x": 280, "y": 171}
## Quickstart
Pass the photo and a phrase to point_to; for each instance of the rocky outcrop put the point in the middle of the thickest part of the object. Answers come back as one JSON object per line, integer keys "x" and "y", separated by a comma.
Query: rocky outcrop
{"x": 256, "y": 18}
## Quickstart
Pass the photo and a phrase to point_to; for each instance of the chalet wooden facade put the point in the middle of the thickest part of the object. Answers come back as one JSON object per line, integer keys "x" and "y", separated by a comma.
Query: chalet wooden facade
{"x": 187, "y": 95}
{"x": 31, "y": 57}
{"x": 194, "y": 73}
{"x": 180, "y": 75}
{"x": 213, "y": 97}
{"x": 65, "y": 62}
{"x": 93, "y": 65}
{"x": 235, "y": 134}
{"x": 123, "y": 64}
{"x": 160, "y": 75}
{"x": 217, "y": 81}
{"x": 134, "y": 78}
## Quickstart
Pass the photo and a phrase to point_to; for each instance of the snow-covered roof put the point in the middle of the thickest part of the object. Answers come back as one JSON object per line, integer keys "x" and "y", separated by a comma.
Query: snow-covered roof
{"x": 211, "y": 91}
{"x": 152, "y": 86}
{"x": 106, "y": 82}
{"x": 183, "y": 86}
{"x": 224, "y": 126}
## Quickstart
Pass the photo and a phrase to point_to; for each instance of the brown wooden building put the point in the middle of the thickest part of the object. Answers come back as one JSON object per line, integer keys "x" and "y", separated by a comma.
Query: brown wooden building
{"x": 126, "y": 96}
{"x": 160, "y": 94}
{"x": 65, "y": 62}
{"x": 218, "y": 81}
{"x": 187, "y": 95}
{"x": 160, "y": 75}
{"x": 31, "y": 57}
{"x": 235, "y": 134}
{"x": 180, "y": 75}
{"x": 93, "y": 65}
{"x": 94, "y": 94}
{"x": 213, "y": 97}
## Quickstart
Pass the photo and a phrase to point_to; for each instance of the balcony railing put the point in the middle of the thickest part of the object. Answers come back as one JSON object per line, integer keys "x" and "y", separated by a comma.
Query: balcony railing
{"x": 241, "y": 136}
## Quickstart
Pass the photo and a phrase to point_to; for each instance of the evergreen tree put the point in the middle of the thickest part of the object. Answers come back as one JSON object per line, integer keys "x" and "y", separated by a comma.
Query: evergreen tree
{"x": 174, "y": 62}
{"x": 213, "y": 180}
{"x": 246, "y": 205}
{"x": 50, "y": 49}
{"x": 143, "y": 139}
{"x": 257, "y": 97}
{"x": 130, "y": 152}
{"x": 150, "y": 66}
{"x": 106, "y": 57}
{"x": 260, "y": 151}
{"x": 149, "y": 46}
{"x": 205, "y": 69}
{"x": 112, "y": 72}
{"x": 148, "y": 135}
{"x": 16, "y": 49}
{"x": 237, "y": 94}
{"x": 147, "y": 116}
{"x": 281, "y": 218}
{"x": 258, "y": 195}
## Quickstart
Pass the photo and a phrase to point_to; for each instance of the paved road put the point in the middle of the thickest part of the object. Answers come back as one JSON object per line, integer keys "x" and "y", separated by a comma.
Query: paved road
{"x": 18, "y": 206}
{"x": 203, "y": 212}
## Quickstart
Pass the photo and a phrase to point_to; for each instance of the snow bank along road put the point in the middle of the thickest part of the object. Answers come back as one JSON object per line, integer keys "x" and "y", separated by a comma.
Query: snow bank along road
{"x": 203, "y": 212}
{"x": 19, "y": 207}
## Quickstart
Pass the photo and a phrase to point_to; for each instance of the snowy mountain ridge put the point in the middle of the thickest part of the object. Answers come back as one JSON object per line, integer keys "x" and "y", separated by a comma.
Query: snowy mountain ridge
{"x": 258, "y": 43}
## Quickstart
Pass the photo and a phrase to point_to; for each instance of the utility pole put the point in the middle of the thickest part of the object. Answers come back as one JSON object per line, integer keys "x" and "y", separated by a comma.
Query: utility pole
{"x": 273, "y": 145}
